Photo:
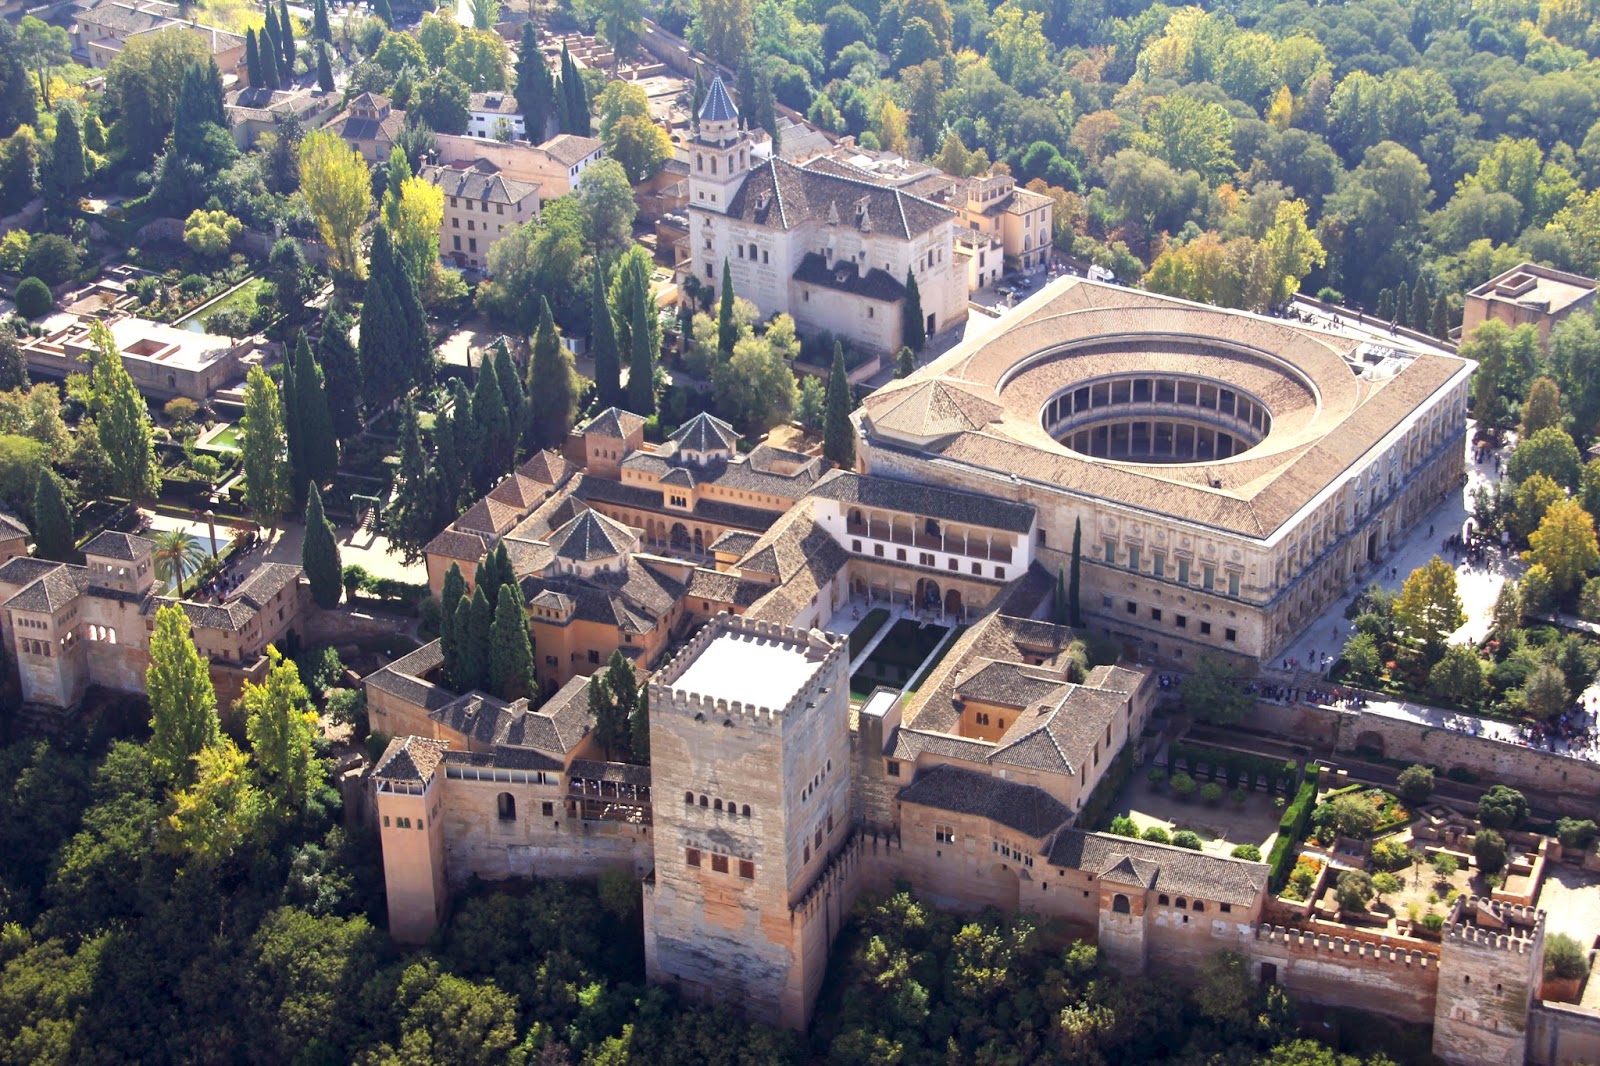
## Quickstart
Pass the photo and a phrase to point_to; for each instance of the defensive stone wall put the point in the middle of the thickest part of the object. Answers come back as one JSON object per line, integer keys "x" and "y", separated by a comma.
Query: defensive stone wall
{"x": 1560, "y": 1034}
{"x": 1348, "y": 972}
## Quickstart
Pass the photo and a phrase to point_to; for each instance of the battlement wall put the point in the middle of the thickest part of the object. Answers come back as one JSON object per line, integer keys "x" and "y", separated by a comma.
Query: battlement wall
{"x": 1524, "y": 925}
{"x": 825, "y": 650}
{"x": 1338, "y": 971}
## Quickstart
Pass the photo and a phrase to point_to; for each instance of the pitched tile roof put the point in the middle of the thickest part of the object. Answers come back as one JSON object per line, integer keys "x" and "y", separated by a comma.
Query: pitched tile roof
{"x": 781, "y": 195}
{"x": 734, "y": 541}
{"x": 56, "y": 589}
{"x": 124, "y": 546}
{"x": 706, "y": 433}
{"x": 11, "y": 525}
{"x": 590, "y": 536}
{"x": 25, "y": 569}
{"x": 718, "y": 105}
{"x": 634, "y": 600}
{"x": 934, "y": 409}
{"x": 1178, "y": 871}
{"x": 410, "y": 759}
{"x": 569, "y": 149}
{"x": 498, "y": 103}
{"x": 481, "y": 181}
{"x": 546, "y": 467}
{"x": 1027, "y": 809}
{"x": 845, "y": 276}
{"x": 926, "y": 501}
{"x": 458, "y": 544}
{"x": 404, "y": 678}
{"x": 614, "y": 423}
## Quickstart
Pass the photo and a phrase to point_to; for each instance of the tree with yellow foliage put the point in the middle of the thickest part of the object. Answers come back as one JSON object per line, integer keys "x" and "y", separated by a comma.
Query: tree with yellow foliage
{"x": 1564, "y": 544}
{"x": 1429, "y": 608}
{"x": 338, "y": 190}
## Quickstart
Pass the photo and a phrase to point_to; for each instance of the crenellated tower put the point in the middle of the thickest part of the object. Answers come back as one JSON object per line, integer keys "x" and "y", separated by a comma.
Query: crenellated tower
{"x": 1490, "y": 963}
{"x": 755, "y": 853}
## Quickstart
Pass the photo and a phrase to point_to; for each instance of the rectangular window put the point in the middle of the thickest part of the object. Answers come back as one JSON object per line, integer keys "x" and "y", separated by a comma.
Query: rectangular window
{"x": 548, "y": 809}
{"x": 1181, "y": 621}
{"x": 944, "y": 834}
{"x": 594, "y": 656}
{"x": 1131, "y": 607}
{"x": 458, "y": 244}
{"x": 719, "y": 863}
{"x": 455, "y": 223}
{"x": 1233, "y": 584}
{"x": 1205, "y": 629}
{"x": 1155, "y": 614}
{"x": 1183, "y": 571}
{"x": 1110, "y": 550}
{"x": 1230, "y": 635}
{"x": 1105, "y": 601}
{"x": 747, "y": 869}
{"x": 1158, "y": 564}
{"x": 1208, "y": 578}
{"x": 472, "y": 244}
{"x": 692, "y": 856}
{"x": 1133, "y": 556}
{"x": 894, "y": 768}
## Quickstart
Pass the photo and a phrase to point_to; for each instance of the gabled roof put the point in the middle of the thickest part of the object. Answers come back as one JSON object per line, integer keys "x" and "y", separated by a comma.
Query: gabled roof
{"x": 935, "y": 408}
{"x": 51, "y": 592}
{"x": 591, "y": 535}
{"x": 1160, "y": 866}
{"x": 569, "y": 149}
{"x": 11, "y": 525}
{"x": 480, "y": 181}
{"x": 124, "y": 546}
{"x": 846, "y": 276}
{"x": 781, "y": 195}
{"x": 1029, "y": 810}
{"x": 458, "y": 544}
{"x": 706, "y": 433}
{"x": 718, "y": 106}
{"x": 927, "y": 501}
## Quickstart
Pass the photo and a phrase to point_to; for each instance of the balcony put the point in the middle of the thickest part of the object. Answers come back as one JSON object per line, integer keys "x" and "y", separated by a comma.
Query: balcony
{"x": 930, "y": 536}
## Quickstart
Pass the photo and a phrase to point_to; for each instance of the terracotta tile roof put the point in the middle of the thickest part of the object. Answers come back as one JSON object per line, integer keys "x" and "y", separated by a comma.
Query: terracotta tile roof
{"x": 734, "y": 541}
{"x": 932, "y": 409}
{"x": 781, "y": 195}
{"x": 923, "y": 500}
{"x": 1027, "y": 809}
{"x": 458, "y": 544}
{"x": 569, "y": 149}
{"x": 497, "y": 103}
{"x": 404, "y": 678}
{"x": 613, "y": 423}
{"x": 634, "y": 600}
{"x": 490, "y": 516}
{"x": 616, "y": 772}
{"x": 546, "y": 467}
{"x": 590, "y": 536}
{"x": 124, "y": 546}
{"x": 1174, "y": 870}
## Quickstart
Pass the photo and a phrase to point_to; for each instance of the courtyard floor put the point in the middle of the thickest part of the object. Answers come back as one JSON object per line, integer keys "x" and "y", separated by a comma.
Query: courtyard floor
{"x": 1221, "y": 827}
{"x": 283, "y": 543}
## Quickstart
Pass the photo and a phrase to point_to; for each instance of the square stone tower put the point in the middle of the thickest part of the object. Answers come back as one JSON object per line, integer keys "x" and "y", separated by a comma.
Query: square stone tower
{"x": 756, "y": 857}
{"x": 1490, "y": 963}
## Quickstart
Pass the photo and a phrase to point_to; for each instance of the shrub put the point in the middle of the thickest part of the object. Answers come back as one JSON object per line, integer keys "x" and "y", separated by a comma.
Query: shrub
{"x": 33, "y": 298}
{"x": 1157, "y": 777}
{"x": 1211, "y": 792}
{"x": 348, "y": 706}
{"x": 1291, "y": 827}
{"x": 1304, "y": 876}
{"x": 1183, "y": 785}
{"x": 1346, "y": 816}
{"x": 1390, "y": 854}
{"x": 1123, "y": 826}
{"x": 1564, "y": 958}
{"x": 1240, "y": 797}
{"x": 1354, "y": 889}
{"x": 1247, "y": 851}
{"x": 51, "y": 258}
{"x": 1489, "y": 848}
{"x": 181, "y": 409}
{"x": 1415, "y": 784}
{"x": 430, "y": 614}
{"x": 193, "y": 284}
{"x": 1156, "y": 835}
{"x": 1502, "y": 807}
{"x": 1444, "y": 865}
{"x": 1186, "y": 838}
{"x": 1575, "y": 834}
{"x": 1433, "y": 922}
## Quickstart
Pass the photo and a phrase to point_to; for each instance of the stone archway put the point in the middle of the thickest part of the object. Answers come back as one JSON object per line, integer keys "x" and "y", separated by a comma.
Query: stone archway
{"x": 680, "y": 536}
{"x": 1370, "y": 741}
{"x": 927, "y": 593}
{"x": 952, "y": 603}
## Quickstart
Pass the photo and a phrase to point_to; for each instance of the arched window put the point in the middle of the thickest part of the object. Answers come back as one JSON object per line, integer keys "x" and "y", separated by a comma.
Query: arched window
{"x": 688, "y": 797}
{"x": 1199, "y": 906}
{"x": 506, "y": 805}
{"x": 744, "y": 812}
{"x": 1164, "y": 899}
{"x": 703, "y": 802}
{"x": 1182, "y": 903}
{"x": 717, "y": 806}
{"x": 1119, "y": 904}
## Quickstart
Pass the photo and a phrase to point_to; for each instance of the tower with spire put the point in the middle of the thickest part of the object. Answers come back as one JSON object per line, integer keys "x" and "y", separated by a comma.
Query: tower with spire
{"x": 720, "y": 151}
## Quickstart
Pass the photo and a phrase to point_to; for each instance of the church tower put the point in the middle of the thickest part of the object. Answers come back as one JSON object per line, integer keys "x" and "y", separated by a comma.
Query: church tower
{"x": 719, "y": 153}
{"x": 756, "y": 857}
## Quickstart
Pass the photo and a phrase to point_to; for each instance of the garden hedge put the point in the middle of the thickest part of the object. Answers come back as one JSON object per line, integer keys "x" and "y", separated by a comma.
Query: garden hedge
{"x": 1291, "y": 827}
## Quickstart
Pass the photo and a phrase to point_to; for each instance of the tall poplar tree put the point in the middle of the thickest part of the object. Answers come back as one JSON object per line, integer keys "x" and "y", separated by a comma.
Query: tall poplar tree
{"x": 727, "y": 329}
{"x": 603, "y": 343}
{"x": 183, "y": 704}
{"x": 642, "y": 369}
{"x": 267, "y": 492}
{"x": 341, "y": 368}
{"x": 552, "y": 390}
{"x": 122, "y": 420}
{"x": 281, "y": 725}
{"x": 511, "y": 649}
{"x": 319, "y": 554}
{"x": 913, "y": 330}
{"x": 53, "y": 536}
{"x": 838, "y": 436}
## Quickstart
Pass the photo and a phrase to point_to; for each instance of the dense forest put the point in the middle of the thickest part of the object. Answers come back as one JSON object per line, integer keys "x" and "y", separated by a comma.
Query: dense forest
{"x": 125, "y": 939}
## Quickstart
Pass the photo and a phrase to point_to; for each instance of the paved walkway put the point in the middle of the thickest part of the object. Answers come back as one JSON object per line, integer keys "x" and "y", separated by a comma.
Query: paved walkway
{"x": 282, "y": 545}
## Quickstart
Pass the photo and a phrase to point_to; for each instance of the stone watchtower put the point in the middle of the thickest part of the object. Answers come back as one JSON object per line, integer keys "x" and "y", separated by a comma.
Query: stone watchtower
{"x": 406, "y": 783}
{"x": 755, "y": 853}
{"x": 1490, "y": 964}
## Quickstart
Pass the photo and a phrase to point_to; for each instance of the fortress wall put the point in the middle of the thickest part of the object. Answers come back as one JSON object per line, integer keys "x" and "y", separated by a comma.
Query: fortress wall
{"x": 1349, "y": 973}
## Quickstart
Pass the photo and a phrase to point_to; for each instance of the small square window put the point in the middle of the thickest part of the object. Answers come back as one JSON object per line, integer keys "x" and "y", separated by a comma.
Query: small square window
{"x": 894, "y": 768}
{"x": 1205, "y": 629}
{"x": 1131, "y": 607}
{"x": 1181, "y": 621}
{"x": 747, "y": 869}
{"x": 1155, "y": 614}
{"x": 1105, "y": 601}
{"x": 1230, "y": 635}
{"x": 719, "y": 863}
{"x": 547, "y": 809}
{"x": 692, "y": 856}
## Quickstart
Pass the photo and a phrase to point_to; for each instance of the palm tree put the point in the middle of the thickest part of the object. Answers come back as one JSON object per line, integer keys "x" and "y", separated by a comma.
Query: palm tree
{"x": 176, "y": 555}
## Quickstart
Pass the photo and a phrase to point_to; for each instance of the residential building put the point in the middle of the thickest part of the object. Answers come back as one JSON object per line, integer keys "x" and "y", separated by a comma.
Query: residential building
{"x": 1529, "y": 295}
{"x": 480, "y": 204}
{"x": 254, "y": 111}
{"x": 369, "y": 125}
{"x": 825, "y": 242}
{"x": 556, "y": 166}
{"x": 164, "y": 361}
{"x": 495, "y": 116}
{"x": 102, "y": 31}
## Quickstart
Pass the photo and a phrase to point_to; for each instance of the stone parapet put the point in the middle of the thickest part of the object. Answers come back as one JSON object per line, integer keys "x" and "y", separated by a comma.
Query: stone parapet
{"x": 1350, "y": 948}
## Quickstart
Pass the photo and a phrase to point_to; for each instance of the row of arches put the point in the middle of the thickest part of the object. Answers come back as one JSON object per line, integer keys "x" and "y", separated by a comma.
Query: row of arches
{"x": 973, "y": 542}
{"x": 717, "y": 805}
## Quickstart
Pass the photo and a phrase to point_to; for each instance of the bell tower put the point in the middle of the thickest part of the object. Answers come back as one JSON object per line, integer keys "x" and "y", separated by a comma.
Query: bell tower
{"x": 720, "y": 152}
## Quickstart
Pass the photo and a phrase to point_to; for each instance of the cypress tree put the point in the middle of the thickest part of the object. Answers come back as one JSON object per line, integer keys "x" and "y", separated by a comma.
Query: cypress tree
{"x": 342, "y": 370}
{"x": 487, "y": 576}
{"x": 67, "y": 168}
{"x": 271, "y": 29}
{"x": 1059, "y": 611}
{"x": 320, "y": 30}
{"x": 1402, "y": 303}
{"x": 1074, "y": 609}
{"x": 412, "y": 518}
{"x": 467, "y": 437}
{"x": 53, "y": 535}
{"x": 505, "y": 372}
{"x": 469, "y": 660}
{"x": 450, "y": 597}
{"x": 319, "y": 554}
{"x": 1385, "y": 305}
{"x": 913, "y": 330}
{"x": 603, "y": 343}
{"x": 269, "y": 59}
{"x": 642, "y": 370}
{"x": 838, "y": 437}
{"x": 1421, "y": 306}
{"x": 475, "y": 652}
{"x": 727, "y": 329}
{"x": 291, "y": 422}
{"x": 1440, "y": 326}
{"x": 610, "y": 726}
{"x": 536, "y": 89}
{"x": 639, "y": 728}
{"x": 575, "y": 97}
{"x": 511, "y": 650}
{"x": 319, "y": 450}
{"x": 508, "y": 574}
{"x": 286, "y": 38}
{"x": 381, "y": 322}
{"x": 383, "y": 10}
{"x": 252, "y": 60}
{"x": 324, "y": 67}
{"x": 498, "y": 447}
{"x": 552, "y": 394}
